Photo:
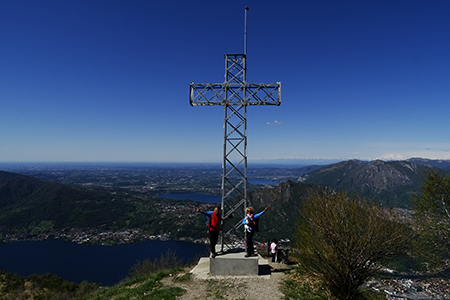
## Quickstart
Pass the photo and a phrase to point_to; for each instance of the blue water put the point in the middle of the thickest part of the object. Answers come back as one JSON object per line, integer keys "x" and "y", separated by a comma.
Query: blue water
{"x": 262, "y": 181}
{"x": 210, "y": 198}
{"x": 106, "y": 265}
{"x": 194, "y": 197}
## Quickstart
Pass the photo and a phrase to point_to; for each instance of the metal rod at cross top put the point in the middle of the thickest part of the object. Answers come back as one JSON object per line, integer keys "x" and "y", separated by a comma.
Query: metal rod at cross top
{"x": 235, "y": 94}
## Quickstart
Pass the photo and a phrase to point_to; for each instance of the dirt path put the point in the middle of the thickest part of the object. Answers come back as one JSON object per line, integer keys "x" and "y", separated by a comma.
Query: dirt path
{"x": 232, "y": 287}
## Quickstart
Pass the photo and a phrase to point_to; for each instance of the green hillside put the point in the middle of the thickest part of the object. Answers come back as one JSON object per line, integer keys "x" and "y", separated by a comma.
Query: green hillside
{"x": 30, "y": 206}
{"x": 26, "y": 202}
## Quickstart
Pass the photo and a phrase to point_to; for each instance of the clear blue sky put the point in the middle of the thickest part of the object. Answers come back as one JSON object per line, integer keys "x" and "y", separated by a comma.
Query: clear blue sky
{"x": 90, "y": 80}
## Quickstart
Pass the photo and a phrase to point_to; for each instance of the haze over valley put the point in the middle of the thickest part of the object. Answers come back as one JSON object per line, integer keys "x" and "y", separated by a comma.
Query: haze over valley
{"x": 116, "y": 203}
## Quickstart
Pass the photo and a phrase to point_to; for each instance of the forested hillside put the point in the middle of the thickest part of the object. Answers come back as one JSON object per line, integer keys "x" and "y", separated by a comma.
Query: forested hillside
{"x": 27, "y": 203}
{"x": 30, "y": 207}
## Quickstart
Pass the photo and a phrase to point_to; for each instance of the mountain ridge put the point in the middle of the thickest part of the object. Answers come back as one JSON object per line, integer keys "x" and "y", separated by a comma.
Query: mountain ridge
{"x": 391, "y": 183}
{"x": 438, "y": 163}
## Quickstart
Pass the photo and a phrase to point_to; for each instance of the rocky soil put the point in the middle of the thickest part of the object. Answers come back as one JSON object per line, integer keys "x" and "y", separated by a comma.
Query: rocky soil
{"x": 231, "y": 287}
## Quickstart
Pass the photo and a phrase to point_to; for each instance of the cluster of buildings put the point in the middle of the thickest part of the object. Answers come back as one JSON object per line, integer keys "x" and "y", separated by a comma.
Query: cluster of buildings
{"x": 89, "y": 236}
{"x": 111, "y": 238}
{"x": 415, "y": 289}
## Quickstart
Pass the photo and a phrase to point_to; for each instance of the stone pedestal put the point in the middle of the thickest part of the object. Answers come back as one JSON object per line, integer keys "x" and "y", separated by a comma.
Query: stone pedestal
{"x": 233, "y": 263}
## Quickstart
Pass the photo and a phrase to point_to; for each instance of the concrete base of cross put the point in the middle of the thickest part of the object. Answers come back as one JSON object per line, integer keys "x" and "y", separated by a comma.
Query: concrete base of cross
{"x": 234, "y": 263}
{"x": 231, "y": 263}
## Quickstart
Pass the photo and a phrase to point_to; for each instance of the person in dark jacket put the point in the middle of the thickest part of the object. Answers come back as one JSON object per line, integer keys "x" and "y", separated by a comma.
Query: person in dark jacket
{"x": 250, "y": 223}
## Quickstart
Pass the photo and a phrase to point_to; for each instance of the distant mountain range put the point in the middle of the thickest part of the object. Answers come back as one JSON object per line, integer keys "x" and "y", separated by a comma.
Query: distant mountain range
{"x": 390, "y": 183}
{"x": 438, "y": 163}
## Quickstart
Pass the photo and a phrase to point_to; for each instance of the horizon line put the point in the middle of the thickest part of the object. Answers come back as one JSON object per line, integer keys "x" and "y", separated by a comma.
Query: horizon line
{"x": 282, "y": 161}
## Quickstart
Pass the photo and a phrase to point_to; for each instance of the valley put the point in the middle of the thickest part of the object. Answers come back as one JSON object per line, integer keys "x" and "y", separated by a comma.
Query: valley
{"x": 121, "y": 203}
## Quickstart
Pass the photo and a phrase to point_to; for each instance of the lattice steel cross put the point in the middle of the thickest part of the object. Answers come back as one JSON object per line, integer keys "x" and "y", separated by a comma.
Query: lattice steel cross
{"x": 235, "y": 94}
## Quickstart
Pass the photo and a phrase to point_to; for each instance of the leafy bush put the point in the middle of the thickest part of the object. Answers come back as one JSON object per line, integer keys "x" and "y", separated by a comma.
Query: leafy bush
{"x": 432, "y": 221}
{"x": 344, "y": 240}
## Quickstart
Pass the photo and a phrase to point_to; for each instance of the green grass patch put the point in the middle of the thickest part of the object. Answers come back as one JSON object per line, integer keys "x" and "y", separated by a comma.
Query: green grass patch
{"x": 181, "y": 278}
{"x": 145, "y": 287}
{"x": 293, "y": 290}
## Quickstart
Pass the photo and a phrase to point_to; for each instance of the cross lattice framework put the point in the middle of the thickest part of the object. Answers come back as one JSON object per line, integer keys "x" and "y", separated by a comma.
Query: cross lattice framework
{"x": 235, "y": 94}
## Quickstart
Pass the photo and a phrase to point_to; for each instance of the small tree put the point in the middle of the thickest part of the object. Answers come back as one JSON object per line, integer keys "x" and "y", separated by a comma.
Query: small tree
{"x": 342, "y": 240}
{"x": 432, "y": 220}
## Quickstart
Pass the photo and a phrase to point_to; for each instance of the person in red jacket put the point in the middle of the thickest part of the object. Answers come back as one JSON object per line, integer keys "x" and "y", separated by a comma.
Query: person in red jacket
{"x": 214, "y": 220}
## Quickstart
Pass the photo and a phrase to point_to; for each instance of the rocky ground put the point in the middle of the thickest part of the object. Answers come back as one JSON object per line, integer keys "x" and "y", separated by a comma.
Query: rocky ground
{"x": 231, "y": 287}
{"x": 270, "y": 286}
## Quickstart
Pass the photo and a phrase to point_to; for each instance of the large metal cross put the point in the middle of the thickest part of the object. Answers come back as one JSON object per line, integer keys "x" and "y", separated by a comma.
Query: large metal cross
{"x": 235, "y": 94}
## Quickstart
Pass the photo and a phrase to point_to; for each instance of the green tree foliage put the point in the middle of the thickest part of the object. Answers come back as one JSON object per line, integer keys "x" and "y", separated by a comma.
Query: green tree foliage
{"x": 343, "y": 240}
{"x": 432, "y": 220}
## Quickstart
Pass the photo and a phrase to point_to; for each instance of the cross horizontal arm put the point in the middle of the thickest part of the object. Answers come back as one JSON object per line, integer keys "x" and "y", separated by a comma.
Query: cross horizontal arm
{"x": 235, "y": 94}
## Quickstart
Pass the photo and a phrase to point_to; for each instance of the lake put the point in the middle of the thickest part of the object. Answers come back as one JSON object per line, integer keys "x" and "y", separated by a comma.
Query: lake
{"x": 262, "y": 181}
{"x": 211, "y": 198}
{"x": 106, "y": 265}
{"x": 194, "y": 197}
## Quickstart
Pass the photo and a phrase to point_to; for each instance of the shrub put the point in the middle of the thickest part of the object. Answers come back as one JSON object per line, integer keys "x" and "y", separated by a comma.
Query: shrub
{"x": 343, "y": 240}
{"x": 167, "y": 261}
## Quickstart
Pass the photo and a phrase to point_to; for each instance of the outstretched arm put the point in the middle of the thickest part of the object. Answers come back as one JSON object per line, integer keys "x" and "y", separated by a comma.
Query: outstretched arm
{"x": 258, "y": 215}
{"x": 208, "y": 213}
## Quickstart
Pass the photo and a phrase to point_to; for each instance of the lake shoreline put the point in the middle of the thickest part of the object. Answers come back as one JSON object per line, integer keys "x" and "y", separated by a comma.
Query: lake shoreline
{"x": 93, "y": 236}
{"x": 104, "y": 265}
